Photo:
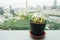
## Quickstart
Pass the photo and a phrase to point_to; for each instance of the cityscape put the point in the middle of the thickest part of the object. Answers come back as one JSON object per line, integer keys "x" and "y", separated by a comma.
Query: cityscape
{"x": 9, "y": 12}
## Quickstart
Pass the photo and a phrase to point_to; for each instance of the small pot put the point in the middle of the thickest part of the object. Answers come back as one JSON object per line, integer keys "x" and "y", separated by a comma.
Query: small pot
{"x": 37, "y": 29}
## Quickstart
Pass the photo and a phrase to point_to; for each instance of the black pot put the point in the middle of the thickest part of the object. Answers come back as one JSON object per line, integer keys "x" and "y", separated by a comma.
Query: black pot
{"x": 37, "y": 29}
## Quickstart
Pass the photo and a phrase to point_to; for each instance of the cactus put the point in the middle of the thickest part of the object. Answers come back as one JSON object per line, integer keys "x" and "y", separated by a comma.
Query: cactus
{"x": 38, "y": 20}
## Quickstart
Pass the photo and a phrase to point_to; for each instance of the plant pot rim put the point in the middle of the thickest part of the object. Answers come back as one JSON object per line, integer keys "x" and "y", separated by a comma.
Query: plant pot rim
{"x": 37, "y": 37}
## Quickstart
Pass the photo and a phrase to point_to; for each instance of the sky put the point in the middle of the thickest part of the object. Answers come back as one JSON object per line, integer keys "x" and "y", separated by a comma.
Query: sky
{"x": 22, "y": 3}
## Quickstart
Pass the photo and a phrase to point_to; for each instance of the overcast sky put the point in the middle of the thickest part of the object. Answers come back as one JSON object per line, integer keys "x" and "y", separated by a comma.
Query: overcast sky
{"x": 22, "y": 3}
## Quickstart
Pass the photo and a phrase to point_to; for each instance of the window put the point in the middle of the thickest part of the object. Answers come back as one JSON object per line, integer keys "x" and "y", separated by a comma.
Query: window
{"x": 16, "y": 14}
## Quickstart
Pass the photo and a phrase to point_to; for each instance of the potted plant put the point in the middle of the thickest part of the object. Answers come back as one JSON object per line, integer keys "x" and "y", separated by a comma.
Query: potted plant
{"x": 37, "y": 25}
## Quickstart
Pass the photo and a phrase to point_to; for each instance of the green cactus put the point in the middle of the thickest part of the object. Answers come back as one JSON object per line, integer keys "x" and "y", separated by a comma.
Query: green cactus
{"x": 38, "y": 20}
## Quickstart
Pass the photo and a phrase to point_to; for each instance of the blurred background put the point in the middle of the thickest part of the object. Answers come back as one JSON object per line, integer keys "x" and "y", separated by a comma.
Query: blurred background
{"x": 16, "y": 14}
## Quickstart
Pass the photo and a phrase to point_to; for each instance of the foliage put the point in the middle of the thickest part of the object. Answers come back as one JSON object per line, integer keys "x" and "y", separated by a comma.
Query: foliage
{"x": 17, "y": 24}
{"x": 53, "y": 25}
{"x": 7, "y": 23}
{"x": 21, "y": 24}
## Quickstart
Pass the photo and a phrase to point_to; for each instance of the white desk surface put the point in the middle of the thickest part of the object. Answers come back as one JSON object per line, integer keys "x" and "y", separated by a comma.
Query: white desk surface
{"x": 25, "y": 35}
